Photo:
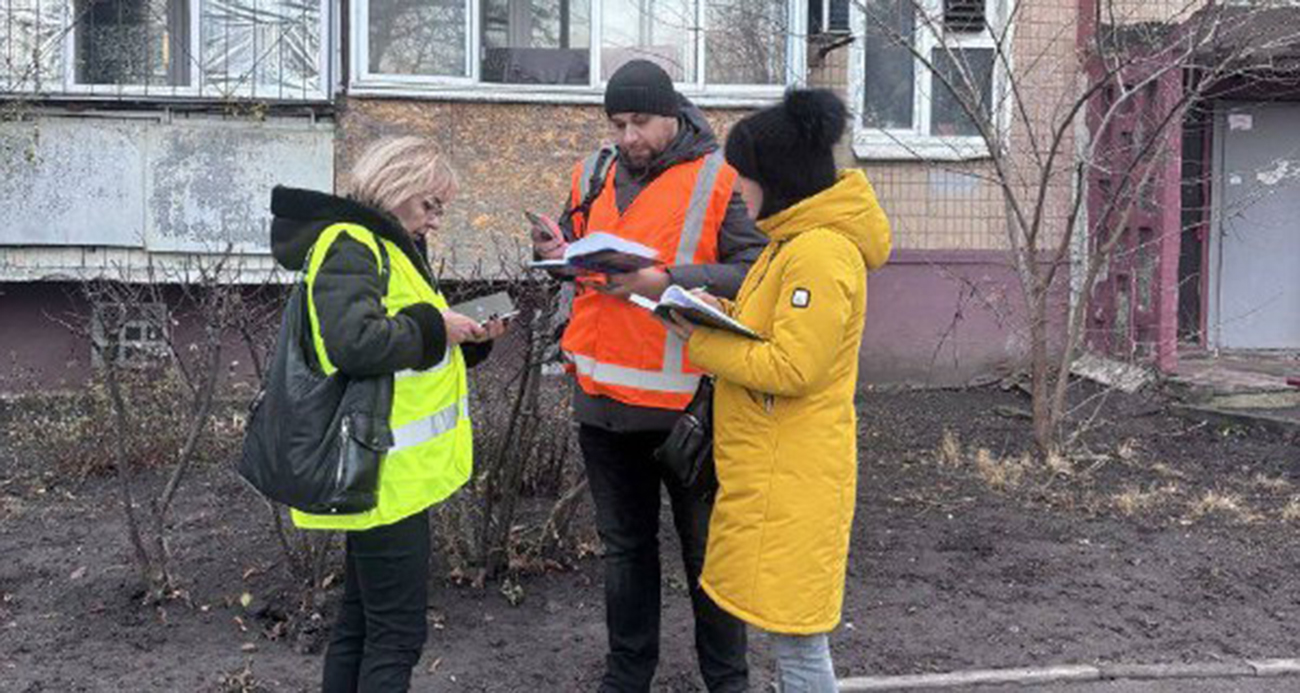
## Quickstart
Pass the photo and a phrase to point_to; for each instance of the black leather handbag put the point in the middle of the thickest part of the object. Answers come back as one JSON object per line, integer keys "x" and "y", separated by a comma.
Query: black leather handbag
{"x": 315, "y": 442}
{"x": 687, "y": 453}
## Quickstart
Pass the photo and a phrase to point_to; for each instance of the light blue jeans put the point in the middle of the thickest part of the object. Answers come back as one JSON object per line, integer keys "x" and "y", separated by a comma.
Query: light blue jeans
{"x": 803, "y": 663}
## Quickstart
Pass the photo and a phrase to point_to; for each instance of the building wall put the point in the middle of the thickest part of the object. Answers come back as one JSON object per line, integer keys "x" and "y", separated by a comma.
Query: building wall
{"x": 45, "y": 345}
{"x": 510, "y": 158}
{"x": 38, "y": 351}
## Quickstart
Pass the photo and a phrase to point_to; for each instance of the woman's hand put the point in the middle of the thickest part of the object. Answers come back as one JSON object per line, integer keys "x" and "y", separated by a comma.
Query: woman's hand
{"x": 495, "y": 328}
{"x": 462, "y": 329}
{"x": 709, "y": 299}
{"x": 680, "y": 326}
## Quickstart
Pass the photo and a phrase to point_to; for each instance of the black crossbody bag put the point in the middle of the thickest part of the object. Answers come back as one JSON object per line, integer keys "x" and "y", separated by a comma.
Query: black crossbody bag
{"x": 687, "y": 452}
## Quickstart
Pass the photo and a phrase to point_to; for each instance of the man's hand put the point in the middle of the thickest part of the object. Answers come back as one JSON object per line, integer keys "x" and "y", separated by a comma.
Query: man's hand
{"x": 548, "y": 239}
{"x": 462, "y": 329}
{"x": 680, "y": 326}
{"x": 649, "y": 282}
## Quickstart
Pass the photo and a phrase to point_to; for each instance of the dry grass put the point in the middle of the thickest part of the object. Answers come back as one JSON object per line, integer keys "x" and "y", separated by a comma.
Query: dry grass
{"x": 1000, "y": 475}
{"x": 1276, "y": 484}
{"x": 949, "y": 453}
{"x": 1227, "y": 505}
{"x": 1166, "y": 471}
{"x": 1291, "y": 513}
{"x": 1059, "y": 465}
{"x": 1133, "y": 500}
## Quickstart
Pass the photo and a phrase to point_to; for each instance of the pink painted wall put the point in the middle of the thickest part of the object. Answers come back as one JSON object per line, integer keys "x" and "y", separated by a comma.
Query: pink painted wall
{"x": 934, "y": 319}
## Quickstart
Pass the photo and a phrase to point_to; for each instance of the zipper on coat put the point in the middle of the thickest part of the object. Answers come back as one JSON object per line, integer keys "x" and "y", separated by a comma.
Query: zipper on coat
{"x": 769, "y": 402}
{"x": 345, "y": 432}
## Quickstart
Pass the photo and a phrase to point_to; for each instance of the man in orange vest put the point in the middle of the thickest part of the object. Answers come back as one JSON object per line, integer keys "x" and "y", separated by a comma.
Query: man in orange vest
{"x": 665, "y": 185}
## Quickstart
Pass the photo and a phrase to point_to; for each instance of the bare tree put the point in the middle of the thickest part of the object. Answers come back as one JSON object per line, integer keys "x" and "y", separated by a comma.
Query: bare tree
{"x": 523, "y": 437}
{"x": 139, "y": 351}
{"x": 1075, "y": 165}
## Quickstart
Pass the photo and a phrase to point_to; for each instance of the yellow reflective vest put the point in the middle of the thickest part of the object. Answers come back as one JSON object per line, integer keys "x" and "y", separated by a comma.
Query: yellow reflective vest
{"x": 433, "y": 450}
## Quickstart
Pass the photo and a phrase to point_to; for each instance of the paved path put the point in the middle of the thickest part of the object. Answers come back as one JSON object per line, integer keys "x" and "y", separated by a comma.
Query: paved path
{"x": 1243, "y": 685}
{"x": 1264, "y": 675}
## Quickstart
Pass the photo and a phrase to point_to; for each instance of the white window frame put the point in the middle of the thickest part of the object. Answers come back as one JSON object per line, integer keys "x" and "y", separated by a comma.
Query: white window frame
{"x": 365, "y": 83}
{"x": 68, "y": 86}
{"x": 916, "y": 142}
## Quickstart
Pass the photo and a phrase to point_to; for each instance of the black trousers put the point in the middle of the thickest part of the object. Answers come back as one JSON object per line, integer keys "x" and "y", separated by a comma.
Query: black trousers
{"x": 625, "y": 481}
{"x": 382, "y": 624}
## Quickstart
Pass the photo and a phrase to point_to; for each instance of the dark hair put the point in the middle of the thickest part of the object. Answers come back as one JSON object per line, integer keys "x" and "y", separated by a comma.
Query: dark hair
{"x": 788, "y": 149}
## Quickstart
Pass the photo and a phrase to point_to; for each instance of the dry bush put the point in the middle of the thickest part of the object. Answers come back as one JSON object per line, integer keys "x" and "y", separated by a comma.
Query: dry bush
{"x": 516, "y": 511}
{"x": 1001, "y": 474}
{"x": 949, "y": 453}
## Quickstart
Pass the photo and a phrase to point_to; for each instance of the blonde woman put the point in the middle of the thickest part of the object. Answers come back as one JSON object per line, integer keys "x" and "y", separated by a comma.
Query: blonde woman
{"x": 375, "y": 310}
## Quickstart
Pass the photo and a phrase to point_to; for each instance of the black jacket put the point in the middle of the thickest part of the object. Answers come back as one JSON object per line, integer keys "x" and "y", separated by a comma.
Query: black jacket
{"x": 359, "y": 337}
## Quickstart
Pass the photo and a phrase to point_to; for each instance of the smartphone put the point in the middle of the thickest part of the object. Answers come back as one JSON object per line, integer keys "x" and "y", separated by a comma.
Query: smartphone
{"x": 544, "y": 230}
{"x": 539, "y": 227}
{"x": 485, "y": 308}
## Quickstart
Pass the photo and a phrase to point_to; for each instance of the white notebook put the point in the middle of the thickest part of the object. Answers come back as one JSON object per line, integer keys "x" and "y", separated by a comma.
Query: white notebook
{"x": 604, "y": 253}
{"x": 693, "y": 310}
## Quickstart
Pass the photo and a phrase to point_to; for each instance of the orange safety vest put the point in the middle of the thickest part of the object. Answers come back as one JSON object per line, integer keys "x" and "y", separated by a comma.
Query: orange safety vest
{"x": 615, "y": 348}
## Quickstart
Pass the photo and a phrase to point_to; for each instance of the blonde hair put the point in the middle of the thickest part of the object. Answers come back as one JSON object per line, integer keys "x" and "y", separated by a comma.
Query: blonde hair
{"x": 391, "y": 170}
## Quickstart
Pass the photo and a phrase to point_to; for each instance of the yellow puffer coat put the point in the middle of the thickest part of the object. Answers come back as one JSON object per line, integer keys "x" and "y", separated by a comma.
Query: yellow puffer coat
{"x": 785, "y": 427}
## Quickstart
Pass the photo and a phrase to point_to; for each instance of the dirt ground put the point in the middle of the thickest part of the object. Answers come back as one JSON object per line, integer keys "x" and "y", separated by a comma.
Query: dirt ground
{"x": 1159, "y": 539}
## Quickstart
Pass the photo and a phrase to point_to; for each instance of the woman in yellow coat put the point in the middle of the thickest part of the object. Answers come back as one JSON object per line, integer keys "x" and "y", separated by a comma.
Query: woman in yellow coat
{"x": 785, "y": 427}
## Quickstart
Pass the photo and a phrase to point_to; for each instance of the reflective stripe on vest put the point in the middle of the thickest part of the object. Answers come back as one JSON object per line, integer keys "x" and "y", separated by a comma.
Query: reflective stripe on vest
{"x": 421, "y": 431}
{"x": 409, "y": 373}
{"x": 589, "y": 169}
{"x": 610, "y": 374}
{"x": 671, "y": 377}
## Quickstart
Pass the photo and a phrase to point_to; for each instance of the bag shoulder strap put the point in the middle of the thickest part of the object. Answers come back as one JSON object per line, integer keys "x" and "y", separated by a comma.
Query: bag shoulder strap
{"x": 605, "y": 158}
{"x": 300, "y": 286}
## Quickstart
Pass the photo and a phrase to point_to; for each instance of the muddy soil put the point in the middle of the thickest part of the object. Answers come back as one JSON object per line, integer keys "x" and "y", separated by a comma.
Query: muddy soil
{"x": 1158, "y": 539}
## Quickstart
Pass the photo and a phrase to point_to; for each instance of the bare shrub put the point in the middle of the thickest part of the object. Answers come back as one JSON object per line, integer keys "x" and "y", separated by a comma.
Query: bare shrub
{"x": 515, "y": 512}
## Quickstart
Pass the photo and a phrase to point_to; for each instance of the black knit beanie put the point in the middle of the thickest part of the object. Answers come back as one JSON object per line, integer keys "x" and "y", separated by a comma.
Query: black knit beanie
{"x": 641, "y": 86}
{"x": 788, "y": 149}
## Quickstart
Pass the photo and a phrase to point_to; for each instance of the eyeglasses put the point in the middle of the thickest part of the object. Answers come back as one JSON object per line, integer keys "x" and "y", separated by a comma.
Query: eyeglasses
{"x": 435, "y": 206}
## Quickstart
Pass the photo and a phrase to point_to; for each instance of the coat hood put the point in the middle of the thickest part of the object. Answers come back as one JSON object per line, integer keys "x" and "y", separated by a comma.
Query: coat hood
{"x": 848, "y": 208}
{"x": 299, "y": 217}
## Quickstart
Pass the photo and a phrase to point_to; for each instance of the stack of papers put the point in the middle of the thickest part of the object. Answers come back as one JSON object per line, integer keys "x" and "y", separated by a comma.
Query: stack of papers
{"x": 693, "y": 310}
{"x": 604, "y": 253}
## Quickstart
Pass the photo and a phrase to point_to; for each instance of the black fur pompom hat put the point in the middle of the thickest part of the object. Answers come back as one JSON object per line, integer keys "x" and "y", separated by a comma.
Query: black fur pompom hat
{"x": 788, "y": 149}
